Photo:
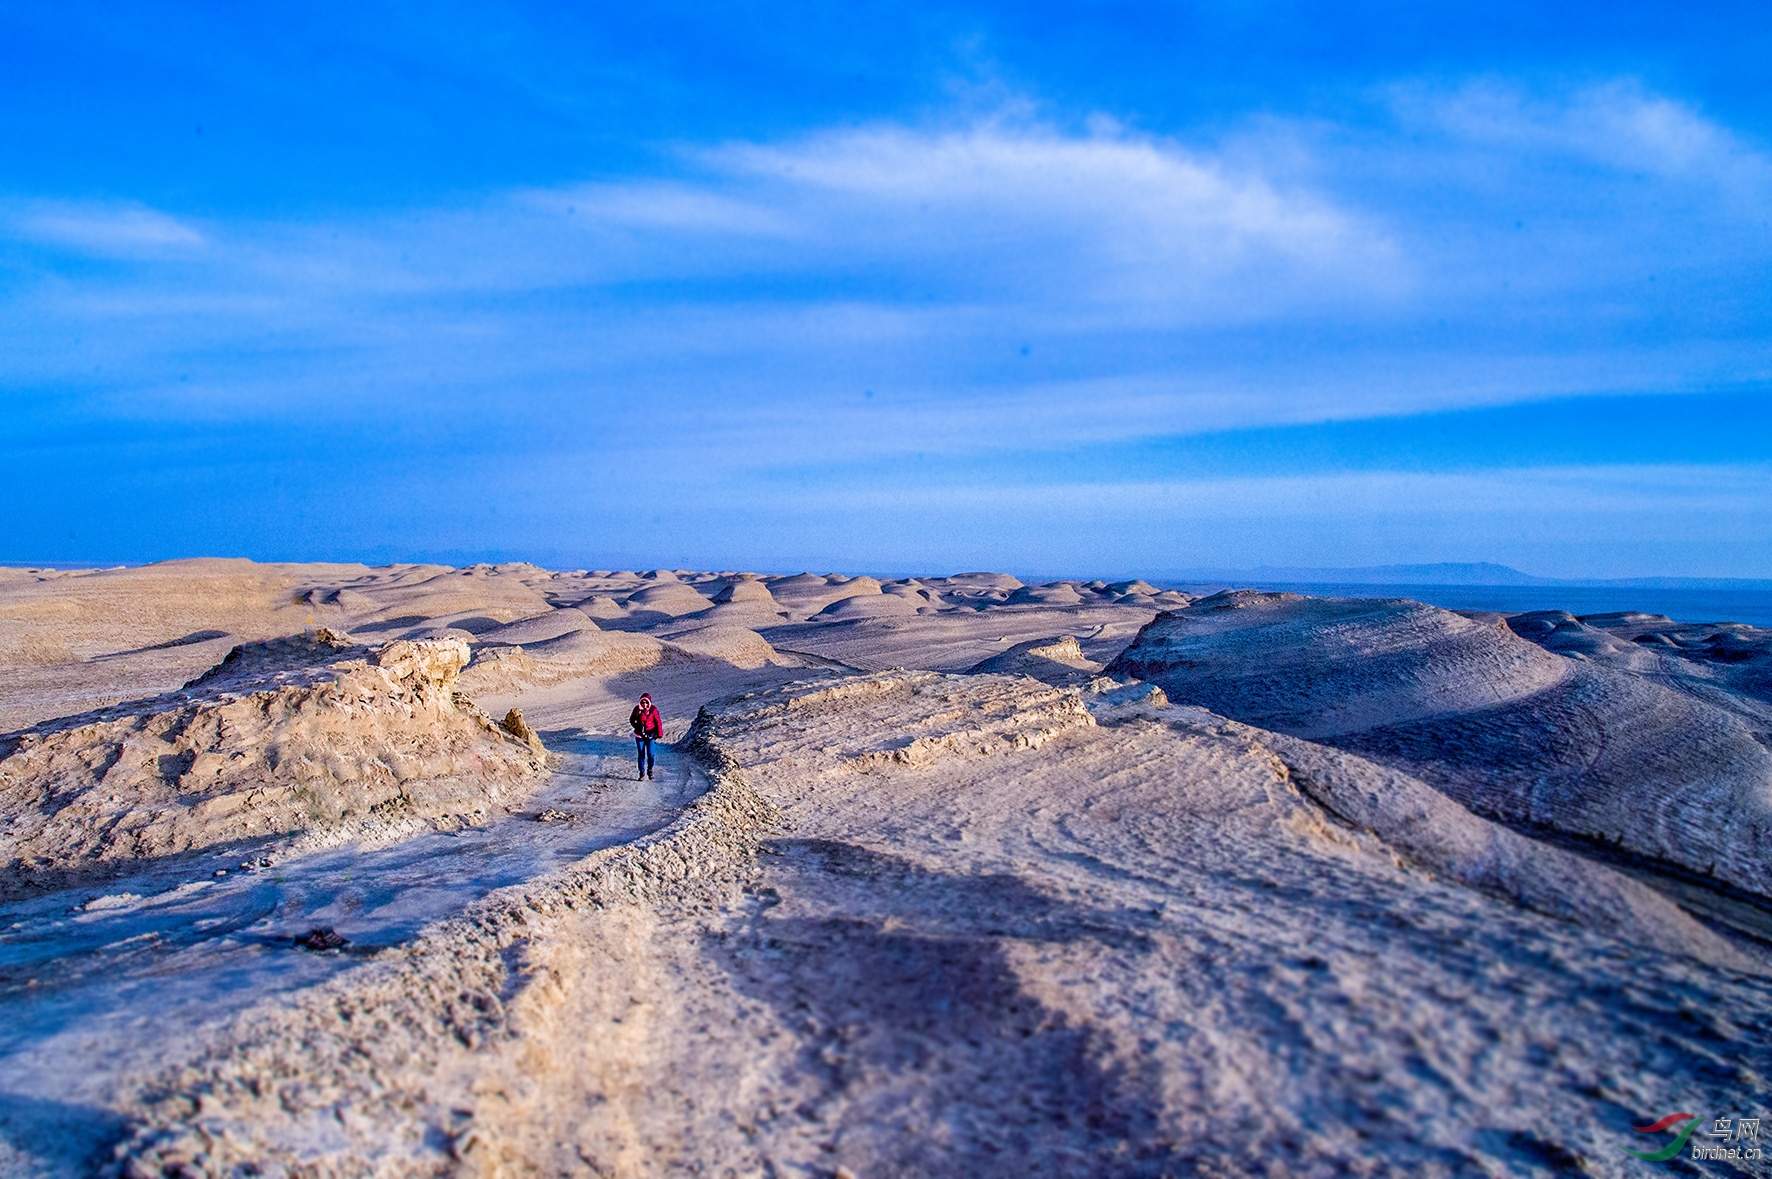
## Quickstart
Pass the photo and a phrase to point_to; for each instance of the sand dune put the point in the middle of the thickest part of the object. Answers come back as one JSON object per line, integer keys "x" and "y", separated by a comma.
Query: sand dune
{"x": 752, "y": 615}
{"x": 957, "y": 635}
{"x": 734, "y": 645}
{"x": 600, "y": 606}
{"x": 1728, "y": 664}
{"x": 480, "y": 597}
{"x": 575, "y": 654}
{"x": 1059, "y": 594}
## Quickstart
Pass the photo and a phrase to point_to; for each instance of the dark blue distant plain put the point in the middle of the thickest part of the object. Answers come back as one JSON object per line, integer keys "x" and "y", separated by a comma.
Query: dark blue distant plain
{"x": 1752, "y": 606}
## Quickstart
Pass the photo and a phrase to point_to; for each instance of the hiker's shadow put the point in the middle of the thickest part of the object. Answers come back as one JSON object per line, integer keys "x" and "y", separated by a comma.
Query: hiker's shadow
{"x": 604, "y": 757}
{"x": 909, "y": 1007}
{"x": 61, "y": 1138}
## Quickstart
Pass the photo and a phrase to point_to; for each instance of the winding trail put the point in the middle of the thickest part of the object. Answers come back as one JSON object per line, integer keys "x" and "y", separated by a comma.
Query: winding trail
{"x": 101, "y": 986}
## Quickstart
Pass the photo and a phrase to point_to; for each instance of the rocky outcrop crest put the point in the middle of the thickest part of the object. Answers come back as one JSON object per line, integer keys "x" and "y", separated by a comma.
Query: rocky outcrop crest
{"x": 281, "y": 738}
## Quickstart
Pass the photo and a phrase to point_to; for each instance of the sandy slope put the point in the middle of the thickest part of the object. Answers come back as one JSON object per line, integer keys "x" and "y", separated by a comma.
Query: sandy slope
{"x": 1039, "y": 918}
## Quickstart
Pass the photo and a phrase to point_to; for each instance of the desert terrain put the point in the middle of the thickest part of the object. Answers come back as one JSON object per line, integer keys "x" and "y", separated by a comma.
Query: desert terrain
{"x": 317, "y": 870}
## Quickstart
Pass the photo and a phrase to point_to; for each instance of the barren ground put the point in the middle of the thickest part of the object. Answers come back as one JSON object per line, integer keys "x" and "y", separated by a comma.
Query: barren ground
{"x": 1254, "y": 885}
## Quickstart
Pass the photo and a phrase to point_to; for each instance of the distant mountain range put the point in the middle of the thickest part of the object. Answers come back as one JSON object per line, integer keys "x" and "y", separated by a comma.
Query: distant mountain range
{"x": 1447, "y": 573}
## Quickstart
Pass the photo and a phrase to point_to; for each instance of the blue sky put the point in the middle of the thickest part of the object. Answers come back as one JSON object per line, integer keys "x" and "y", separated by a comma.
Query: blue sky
{"x": 1082, "y": 288}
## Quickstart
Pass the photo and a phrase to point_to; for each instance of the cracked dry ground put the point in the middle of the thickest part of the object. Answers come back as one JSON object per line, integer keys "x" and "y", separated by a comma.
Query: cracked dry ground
{"x": 946, "y": 925}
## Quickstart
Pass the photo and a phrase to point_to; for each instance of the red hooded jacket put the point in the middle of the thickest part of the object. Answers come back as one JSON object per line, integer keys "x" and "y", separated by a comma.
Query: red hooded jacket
{"x": 645, "y": 721}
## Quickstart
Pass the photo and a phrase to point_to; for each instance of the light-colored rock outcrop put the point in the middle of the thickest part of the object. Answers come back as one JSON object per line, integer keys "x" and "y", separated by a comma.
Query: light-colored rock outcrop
{"x": 989, "y": 929}
{"x": 746, "y": 591}
{"x": 281, "y": 738}
{"x": 574, "y": 655}
{"x": 1055, "y": 660}
{"x": 1507, "y": 728}
{"x": 671, "y": 597}
{"x": 806, "y": 594}
{"x": 1001, "y": 911}
{"x": 1322, "y": 667}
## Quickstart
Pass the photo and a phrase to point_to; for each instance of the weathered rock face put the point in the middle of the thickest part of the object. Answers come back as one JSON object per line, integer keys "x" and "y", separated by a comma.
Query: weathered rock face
{"x": 574, "y": 655}
{"x": 669, "y": 597}
{"x": 990, "y": 929}
{"x": 746, "y": 591}
{"x": 426, "y": 668}
{"x": 1059, "y": 593}
{"x": 1505, "y": 727}
{"x": 282, "y": 737}
{"x": 1323, "y": 667}
{"x": 807, "y": 594}
{"x": 516, "y": 726}
{"x": 1693, "y": 657}
{"x": 902, "y": 718}
{"x": 1058, "y": 660}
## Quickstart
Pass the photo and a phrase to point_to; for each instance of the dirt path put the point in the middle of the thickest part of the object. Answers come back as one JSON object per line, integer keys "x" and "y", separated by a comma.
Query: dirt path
{"x": 100, "y": 987}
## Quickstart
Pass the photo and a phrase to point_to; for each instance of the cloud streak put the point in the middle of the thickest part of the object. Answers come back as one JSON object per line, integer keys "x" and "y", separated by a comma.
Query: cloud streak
{"x": 124, "y": 230}
{"x": 1619, "y": 125}
{"x": 1108, "y": 218}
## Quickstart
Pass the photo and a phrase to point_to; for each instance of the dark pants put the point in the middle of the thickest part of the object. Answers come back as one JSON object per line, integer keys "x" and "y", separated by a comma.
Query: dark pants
{"x": 643, "y": 745}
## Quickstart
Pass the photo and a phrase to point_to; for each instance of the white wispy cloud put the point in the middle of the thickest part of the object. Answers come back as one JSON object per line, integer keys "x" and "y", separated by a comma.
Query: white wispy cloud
{"x": 121, "y": 230}
{"x": 1620, "y": 124}
{"x": 667, "y": 207}
{"x": 1108, "y": 217}
{"x": 994, "y": 214}
{"x": 1164, "y": 286}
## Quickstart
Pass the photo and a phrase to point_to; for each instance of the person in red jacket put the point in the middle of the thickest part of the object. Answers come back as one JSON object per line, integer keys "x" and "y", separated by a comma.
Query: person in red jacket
{"x": 648, "y": 727}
